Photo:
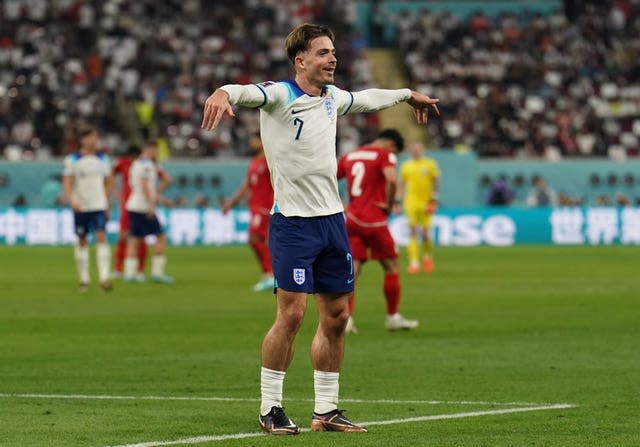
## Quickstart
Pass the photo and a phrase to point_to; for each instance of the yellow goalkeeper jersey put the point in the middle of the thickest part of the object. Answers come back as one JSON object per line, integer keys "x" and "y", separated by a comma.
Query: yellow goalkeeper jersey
{"x": 418, "y": 177}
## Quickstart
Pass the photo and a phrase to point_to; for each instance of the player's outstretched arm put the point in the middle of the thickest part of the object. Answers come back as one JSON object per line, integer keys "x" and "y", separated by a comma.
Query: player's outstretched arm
{"x": 215, "y": 107}
{"x": 421, "y": 104}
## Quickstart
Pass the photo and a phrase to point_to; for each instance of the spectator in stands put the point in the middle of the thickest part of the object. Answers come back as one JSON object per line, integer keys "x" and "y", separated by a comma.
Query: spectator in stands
{"x": 621, "y": 199}
{"x": 500, "y": 193}
{"x": 541, "y": 195}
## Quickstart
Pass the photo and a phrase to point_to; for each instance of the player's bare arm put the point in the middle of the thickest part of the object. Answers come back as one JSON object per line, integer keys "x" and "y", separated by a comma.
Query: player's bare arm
{"x": 242, "y": 192}
{"x": 150, "y": 196}
{"x": 67, "y": 183}
{"x": 421, "y": 105}
{"x": 109, "y": 188}
{"x": 391, "y": 184}
{"x": 432, "y": 206}
{"x": 215, "y": 107}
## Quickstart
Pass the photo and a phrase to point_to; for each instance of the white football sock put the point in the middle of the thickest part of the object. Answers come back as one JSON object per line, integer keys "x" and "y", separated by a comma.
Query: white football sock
{"x": 82, "y": 262}
{"x": 326, "y": 387}
{"x": 130, "y": 266}
{"x": 103, "y": 258}
{"x": 157, "y": 265}
{"x": 271, "y": 383}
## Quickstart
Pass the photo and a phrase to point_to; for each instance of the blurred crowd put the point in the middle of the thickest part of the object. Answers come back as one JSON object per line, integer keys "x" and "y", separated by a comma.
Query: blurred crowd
{"x": 142, "y": 69}
{"x": 516, "y": 85}
{"x": 531, "y": 86}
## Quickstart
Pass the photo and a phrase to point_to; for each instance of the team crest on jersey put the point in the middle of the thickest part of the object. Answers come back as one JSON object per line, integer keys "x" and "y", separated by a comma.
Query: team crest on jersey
{"x": 329, "y": 108}
{"x": 298, "y": 276}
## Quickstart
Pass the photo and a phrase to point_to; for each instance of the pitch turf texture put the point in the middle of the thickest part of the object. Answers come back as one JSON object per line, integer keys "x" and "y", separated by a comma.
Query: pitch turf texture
{"x": 502, "y": 331}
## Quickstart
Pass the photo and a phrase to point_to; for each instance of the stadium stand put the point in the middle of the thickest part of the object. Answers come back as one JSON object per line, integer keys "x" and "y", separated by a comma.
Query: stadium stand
{"x": 143, "y": 68}
{"x": 529, "y": 85}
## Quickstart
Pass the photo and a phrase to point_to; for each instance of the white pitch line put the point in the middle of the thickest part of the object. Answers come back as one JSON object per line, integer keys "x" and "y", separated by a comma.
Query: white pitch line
{"x": 436, "y": 417}
{"x": 252, "y": 399}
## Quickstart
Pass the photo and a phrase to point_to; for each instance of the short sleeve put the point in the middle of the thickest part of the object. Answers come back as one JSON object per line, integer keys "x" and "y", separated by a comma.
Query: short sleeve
{"x": 343, "y": 99}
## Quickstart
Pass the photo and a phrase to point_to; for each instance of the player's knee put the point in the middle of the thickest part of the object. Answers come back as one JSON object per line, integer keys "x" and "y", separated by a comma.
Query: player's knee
{"x": 292, "y": 319}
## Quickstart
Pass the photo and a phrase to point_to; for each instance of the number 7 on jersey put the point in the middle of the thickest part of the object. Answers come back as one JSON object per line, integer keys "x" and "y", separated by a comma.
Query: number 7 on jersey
{"x": 298, "y": 122}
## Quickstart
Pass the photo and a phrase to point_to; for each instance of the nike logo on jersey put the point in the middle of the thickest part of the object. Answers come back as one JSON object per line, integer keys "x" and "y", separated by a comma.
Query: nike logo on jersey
{"x": 293, "y": 112}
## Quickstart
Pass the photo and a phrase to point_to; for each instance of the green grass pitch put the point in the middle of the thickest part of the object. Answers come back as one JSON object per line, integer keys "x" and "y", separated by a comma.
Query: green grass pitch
{"x": 501, "y": 329}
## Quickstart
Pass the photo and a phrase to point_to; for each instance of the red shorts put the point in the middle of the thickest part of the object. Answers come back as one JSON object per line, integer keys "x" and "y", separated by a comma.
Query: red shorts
{"x": 259, "y": 225}
{"x": 376, "y": 240}
{"x": 124, "y": 220}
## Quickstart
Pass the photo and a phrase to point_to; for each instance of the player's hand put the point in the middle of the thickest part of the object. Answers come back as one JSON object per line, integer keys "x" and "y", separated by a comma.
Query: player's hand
{"x": 215, "y": 107}
{"x": 164, "y": 201}
{"x": 432, "y": 207}
{"x": 225, "y": 208}
{"x": 75, "y": 205}
{"x": 421, "y": 104}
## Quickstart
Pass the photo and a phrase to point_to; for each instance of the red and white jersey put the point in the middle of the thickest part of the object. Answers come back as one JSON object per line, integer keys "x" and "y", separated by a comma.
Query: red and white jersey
{"x": 363, "y": 169}
{"x": 260, "y": 189}
{"x": 122, "y": 166}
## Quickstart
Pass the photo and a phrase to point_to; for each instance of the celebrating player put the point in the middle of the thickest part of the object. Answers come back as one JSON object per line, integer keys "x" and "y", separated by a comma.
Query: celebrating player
{"x": 371, "y": 179}
{"x": 257, "y": 186}
{"x": 307, "y": 234}
{"x": 143, "y": 221}
{"x": 87, "y": 183}
{"x": 419, "y": 184}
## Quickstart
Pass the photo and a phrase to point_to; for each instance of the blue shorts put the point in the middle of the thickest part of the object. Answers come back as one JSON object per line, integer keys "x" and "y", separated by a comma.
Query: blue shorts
{"x": 141, "y": 225}
{"x": 311, "y": 254}
{"x": 86, "y": 222}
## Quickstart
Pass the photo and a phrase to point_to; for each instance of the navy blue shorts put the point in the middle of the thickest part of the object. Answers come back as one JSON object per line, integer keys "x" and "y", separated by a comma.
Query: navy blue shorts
{"x": 141, "y": 225}
{"x": 311, "y": 254}
{"x": 86, "y": 222}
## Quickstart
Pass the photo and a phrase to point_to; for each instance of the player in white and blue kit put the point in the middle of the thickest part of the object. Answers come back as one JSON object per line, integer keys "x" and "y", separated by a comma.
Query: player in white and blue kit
{"x": 307, "y": 236}
{"x": 143, "y": 221}
{"x": 87, "y": 182}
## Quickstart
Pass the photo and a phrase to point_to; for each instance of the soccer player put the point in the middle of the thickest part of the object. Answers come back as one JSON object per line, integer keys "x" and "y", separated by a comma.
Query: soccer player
{"x": 307, "y": 234}
{"x": 371, "y": 182}
{"x": 122, "y": 167}
{"x": 87, "y": 182}
{"x": 143, "y": 221}
{"x": 257, "y": 186}
{"x": 420, "y": 177}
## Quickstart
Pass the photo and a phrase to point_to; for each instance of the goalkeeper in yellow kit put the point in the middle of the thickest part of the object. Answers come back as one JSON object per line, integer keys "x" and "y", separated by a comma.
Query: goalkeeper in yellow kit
{"x": 419, "y": 183}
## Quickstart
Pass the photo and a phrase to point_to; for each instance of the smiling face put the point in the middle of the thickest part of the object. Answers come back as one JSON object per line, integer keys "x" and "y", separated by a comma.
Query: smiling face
{"x": 317, "y": 65}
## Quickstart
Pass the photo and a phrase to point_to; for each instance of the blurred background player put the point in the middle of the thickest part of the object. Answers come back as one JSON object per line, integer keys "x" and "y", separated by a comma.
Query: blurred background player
{"x": 257, "y": 187}
{"x": 372, "y": 181}
{"x": 87, "y": 182}
{"x": 143, "y": 220}
{"x": 121, "y": 168}
{"x": 419, "y": 184}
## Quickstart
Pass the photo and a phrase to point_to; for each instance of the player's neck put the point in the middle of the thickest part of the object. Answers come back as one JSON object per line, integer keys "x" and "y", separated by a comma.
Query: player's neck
{"x": 308, "y": 86}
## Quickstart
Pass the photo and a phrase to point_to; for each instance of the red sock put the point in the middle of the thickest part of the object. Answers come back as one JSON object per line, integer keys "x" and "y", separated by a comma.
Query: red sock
{"x": 392, "y": 292}
{"x": 261, "y": 250}
{"x": 142, "y": 255}
{"x": 266, "y": 259}
{"x": 121, "y": 252}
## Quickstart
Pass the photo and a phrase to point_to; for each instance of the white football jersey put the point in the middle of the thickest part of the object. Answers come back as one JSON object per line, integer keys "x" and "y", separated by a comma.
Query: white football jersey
{"x": 299, "y": 136}
{"x": 89, "y": 172}
{"x": 142, "y": 168}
